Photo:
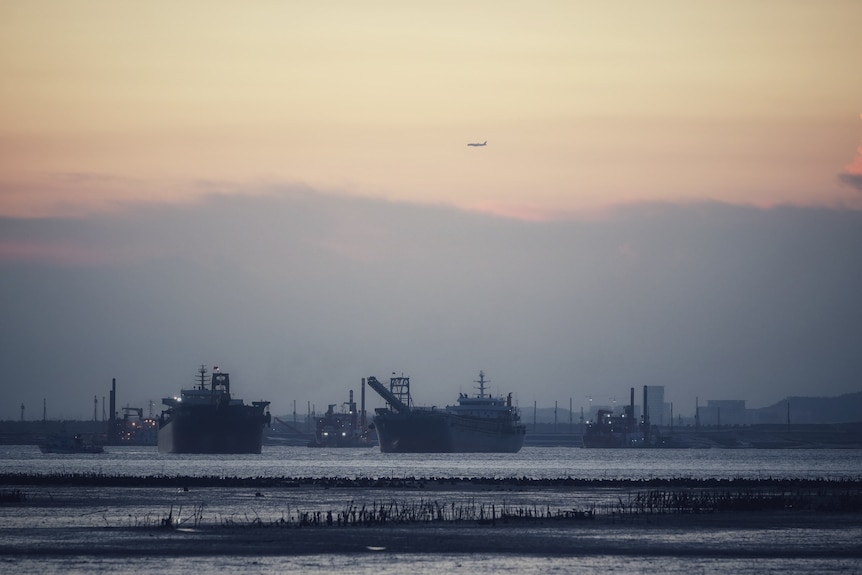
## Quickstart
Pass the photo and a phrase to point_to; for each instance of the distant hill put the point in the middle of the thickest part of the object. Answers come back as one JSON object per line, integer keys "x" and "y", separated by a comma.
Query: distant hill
{"x": 845, "y": 408}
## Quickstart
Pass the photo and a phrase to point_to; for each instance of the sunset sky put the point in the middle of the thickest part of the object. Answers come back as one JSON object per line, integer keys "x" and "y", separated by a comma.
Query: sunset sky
{"x": 584, "y": 104}
{"x": 122, "y": 120}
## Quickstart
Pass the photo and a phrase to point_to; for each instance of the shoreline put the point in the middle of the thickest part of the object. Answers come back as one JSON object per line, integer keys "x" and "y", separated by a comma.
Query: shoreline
{"x": 99, "y": 479}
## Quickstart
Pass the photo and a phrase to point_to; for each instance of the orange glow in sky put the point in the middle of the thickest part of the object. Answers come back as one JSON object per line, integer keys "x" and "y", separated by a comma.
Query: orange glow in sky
{"x": 582, "y": 104}
{"x": 856, "y": 166}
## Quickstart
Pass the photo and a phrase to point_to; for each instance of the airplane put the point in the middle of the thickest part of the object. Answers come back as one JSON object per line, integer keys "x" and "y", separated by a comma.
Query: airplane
{"x": 478, "y": 144}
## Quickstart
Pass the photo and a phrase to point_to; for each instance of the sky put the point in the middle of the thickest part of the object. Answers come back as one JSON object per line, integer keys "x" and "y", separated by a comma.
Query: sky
{"x": 671, "y": 194}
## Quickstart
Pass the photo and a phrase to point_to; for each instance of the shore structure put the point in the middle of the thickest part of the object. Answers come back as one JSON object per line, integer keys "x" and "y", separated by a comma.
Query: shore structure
{"x": 480, "y": 423}
{"x": 210, "y": 420}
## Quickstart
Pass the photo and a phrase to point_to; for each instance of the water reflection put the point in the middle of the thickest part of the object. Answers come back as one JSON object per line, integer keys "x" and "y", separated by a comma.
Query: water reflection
{"x": 530, "y": 462}
{"x": 65, "y": 513}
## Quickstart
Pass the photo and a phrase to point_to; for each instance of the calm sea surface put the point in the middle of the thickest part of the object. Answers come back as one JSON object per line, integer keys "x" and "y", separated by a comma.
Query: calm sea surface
{"x": 530, "y": 462}
{"x": 67, "y": 508}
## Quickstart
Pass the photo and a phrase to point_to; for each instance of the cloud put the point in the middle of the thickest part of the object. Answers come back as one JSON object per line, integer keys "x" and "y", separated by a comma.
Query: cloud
{"x": 852, "y": 180}
{"x": 301, "y": 294}
{"x": 852, "y": 175}
{"x": 56, "y": 253}
{"x": 92, "y": 178}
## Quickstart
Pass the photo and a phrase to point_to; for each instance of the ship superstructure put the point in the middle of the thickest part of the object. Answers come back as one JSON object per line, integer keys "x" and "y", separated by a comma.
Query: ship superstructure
{"x": 209, "y": 420}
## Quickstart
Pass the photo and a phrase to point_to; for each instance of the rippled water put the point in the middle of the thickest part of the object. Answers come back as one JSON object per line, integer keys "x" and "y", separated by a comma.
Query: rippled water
{"x": 422, "y": 564}
{"x": 703, "y": 551}
{"x": 531, "y": 462}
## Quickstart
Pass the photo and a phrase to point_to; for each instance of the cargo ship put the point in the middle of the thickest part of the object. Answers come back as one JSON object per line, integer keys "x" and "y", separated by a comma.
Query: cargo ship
{"x": 209, "y": 420}
{"x": 480, "y": 423}
{"x": 135, "y": 429}
{"x": 344, "y": 428}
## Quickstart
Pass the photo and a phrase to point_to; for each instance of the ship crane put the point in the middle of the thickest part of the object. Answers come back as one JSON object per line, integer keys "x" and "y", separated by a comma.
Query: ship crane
{"x": 388, "y": 396}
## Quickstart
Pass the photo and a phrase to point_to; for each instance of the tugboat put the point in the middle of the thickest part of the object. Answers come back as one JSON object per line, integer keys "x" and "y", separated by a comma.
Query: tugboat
{"x": 342, "y": 428}
{"x": 136, "y": 429}
{"x": 209, "y": 420}
{"x": 482, "y": 423}
{"x": 65, "y": 444}
{"x": 618, "y": 430}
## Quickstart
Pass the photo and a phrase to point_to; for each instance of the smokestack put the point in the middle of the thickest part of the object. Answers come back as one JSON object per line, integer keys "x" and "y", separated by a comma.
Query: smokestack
{"x": 646, "y": 417}
{"x": 362, "y": 407}
{"x": 696, "y": 413}
{"x": 113, "y": 401}
{"x": 646, "y": 406}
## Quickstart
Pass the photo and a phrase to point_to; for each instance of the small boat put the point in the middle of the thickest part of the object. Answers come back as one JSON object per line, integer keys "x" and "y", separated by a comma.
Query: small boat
{"x": 613, "y": 430}
{"x": 64, "y": 444}
{"x": 345, "y": 428}
{"x": 618, "y": 429}
{"x": 135, "y": 429}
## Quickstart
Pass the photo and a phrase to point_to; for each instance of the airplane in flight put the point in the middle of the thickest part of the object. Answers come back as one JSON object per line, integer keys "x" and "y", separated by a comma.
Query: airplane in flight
{"x": 476, "y": 144}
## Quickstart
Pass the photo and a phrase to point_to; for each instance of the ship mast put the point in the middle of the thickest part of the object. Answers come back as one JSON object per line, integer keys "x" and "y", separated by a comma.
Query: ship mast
{"x": 481, "y": 381}
{"x": 202, "y": 377}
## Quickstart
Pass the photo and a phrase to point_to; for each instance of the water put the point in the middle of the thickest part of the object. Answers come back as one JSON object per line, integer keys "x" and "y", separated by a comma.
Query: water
{"x": 530, "y": 462}
{"x": 384, "y": 564}
{"x": 72, "y": 514}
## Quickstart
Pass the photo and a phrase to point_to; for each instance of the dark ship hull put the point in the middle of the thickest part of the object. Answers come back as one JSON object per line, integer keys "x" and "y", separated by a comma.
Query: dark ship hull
{"x": 210, "y": 430}
{"x": 440, "y": 432}
{"x": 612, "y": 440}
{"x": 337, "y": 442}
{"x": 209, "y": 421}
{"x": 63, "y": 444}
{"x": 481, "y": 424}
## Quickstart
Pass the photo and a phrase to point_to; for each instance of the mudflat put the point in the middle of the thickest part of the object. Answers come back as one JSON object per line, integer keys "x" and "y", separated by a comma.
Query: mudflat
{"x": 750, "y": 534}
{"x": 71, "y": 516}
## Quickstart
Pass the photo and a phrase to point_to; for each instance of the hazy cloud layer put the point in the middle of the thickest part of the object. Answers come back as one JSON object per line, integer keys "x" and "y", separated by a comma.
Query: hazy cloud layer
{"x": 853, "y": 180}
{"x": 299, "y": 295}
